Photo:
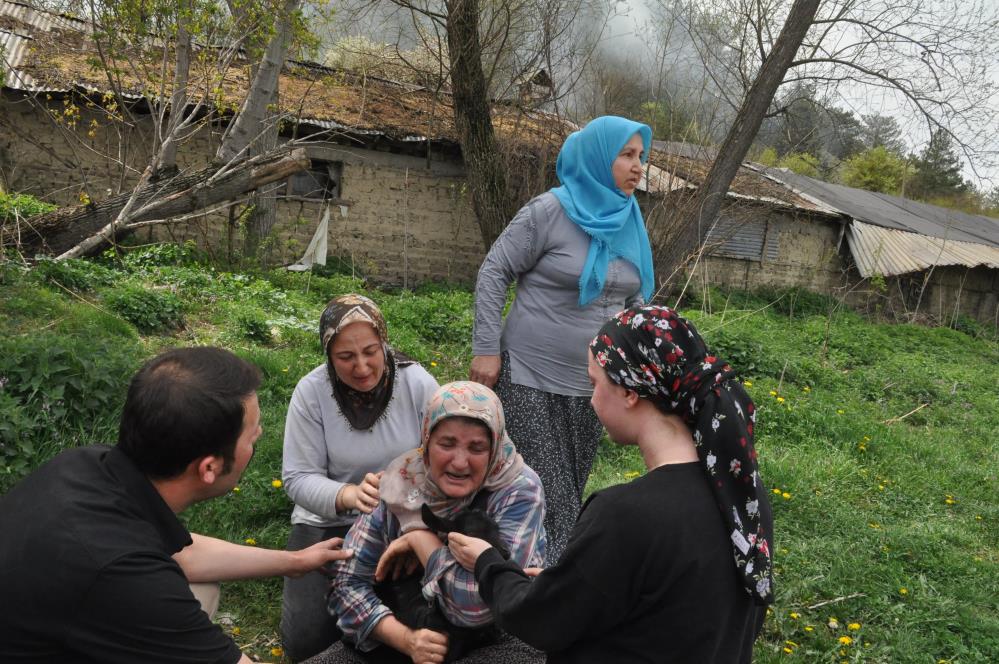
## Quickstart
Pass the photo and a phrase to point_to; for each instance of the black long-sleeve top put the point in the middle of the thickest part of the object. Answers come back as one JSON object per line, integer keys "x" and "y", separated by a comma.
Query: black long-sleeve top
{"x": 648, "y": 576}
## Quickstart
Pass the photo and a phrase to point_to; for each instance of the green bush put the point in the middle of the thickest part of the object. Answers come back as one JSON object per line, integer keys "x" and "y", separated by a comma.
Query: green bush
{"x": 149, "y": 311}
{"x": 80, "y": 275}
{"x": 13, "y": 206}
{"x": 252, "y": 325}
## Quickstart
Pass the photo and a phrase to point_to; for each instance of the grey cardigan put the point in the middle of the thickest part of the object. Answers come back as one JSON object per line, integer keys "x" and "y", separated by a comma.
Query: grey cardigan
{"x": 546, "y": 332}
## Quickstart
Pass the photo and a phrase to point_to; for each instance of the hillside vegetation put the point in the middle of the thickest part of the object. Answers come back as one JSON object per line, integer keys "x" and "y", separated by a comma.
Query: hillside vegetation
{"x": 878, "y": 442}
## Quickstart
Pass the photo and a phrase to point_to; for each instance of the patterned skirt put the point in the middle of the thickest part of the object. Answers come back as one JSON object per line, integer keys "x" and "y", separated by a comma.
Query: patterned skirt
{"x": 557, "y": 436}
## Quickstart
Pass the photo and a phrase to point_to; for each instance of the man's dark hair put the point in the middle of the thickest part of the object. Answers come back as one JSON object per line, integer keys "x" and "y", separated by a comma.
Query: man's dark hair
{"x": 185, "y": 404}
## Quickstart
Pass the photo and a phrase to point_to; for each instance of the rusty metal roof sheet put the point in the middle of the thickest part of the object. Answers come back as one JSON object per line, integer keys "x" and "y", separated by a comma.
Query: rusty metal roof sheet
{"x": 889, "y": 251}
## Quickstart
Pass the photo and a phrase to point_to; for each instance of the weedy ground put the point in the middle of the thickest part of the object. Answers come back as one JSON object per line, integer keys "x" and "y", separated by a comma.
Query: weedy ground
{"x": 878, "y": 442}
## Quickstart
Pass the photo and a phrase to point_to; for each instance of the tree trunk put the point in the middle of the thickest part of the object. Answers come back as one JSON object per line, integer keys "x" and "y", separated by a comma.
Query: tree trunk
{"x": 83, "y": 230}
{"x": 699, "y": 216}
{"x": 483, "y": 166}
{"x": 167, "y": 162}
{"x": 249, "y": 123}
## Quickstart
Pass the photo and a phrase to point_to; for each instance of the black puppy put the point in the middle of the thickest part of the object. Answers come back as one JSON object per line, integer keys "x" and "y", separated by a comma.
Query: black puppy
{"x": 405, "y": 597}
{"x": 472, "y": 521}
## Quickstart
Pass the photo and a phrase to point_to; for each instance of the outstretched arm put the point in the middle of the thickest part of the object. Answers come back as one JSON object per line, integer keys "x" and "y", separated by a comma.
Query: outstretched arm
{"x": 208, "y": 559}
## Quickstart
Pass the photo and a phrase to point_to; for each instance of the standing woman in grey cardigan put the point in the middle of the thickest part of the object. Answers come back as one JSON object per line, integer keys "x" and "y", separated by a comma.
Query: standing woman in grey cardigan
{"x": 579, "y": 254}
{"x": 348, "y": 418}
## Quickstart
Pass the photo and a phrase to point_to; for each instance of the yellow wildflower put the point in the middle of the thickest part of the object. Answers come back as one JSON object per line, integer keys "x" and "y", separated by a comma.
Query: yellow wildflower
{"x": 780, "y": 399}
{"x": 840, "y": 411}
{"x": 747, "y": 383}
{"x": 833, "y": 623}
{"x": 276, "y": 484}
{"x": 235, "y": 630}
{"x": 285, "y": 369}
{"x": 250, "y": 541}
{"x": 277, "y": 652}
{"x": 773, "y": 393}
{"x": 978, "y": 517}
{"x": 949, "y": 500}
{"x": 432, "y": 363}
{"x": 793, "y": 615}
{"x": 806, "y": 389}
{"x": 845, "y": 640}
{"x": 786, "y": 496}
{"x": 881, "y": 487}
{"x": 777, "y": 492}
{"x": 631, "y": 474}
{"x": 874, "y": 525}
{"x": 809, "y": 628}
{"x": 791, "y": 644}
{"x": 235, "y": 489}
{"x": 853, "y": 627}
{"x": 903, "y": 591}
{"x": 787, "y": 650}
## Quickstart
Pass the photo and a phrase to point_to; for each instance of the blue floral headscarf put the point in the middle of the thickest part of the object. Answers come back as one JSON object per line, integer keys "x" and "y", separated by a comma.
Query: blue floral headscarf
{"x": 590, "y": 198}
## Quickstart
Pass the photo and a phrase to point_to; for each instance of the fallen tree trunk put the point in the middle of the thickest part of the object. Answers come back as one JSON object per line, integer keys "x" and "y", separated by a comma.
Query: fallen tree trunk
{"x": 85, "y": 229}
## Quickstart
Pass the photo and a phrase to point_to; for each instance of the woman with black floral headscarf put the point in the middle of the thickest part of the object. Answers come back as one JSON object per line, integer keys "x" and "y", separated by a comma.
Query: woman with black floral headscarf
{"x": 675, "y": 565}
{"x": 348, "y": 418}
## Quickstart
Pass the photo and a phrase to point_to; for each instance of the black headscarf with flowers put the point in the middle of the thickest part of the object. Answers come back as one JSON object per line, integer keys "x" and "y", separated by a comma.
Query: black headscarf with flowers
{"x": 659, "y": 355}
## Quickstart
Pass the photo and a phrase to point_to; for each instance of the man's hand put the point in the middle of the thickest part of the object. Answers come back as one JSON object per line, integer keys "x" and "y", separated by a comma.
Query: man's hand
{"x": 485, "y": 369}
{"x": 362, "y": 497}
{"x": 426, "y": 646}
{"x": 398, "y": 560}
{"x": 317, "y": 555}
{"x": 466, "y": 550}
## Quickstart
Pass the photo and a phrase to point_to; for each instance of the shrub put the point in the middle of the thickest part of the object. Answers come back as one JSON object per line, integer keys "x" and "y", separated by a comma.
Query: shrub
{"x": 13, "y": 206}
{"x": 252, "y": 325}
{"x": 149, "y": 311}
{"x": 73, "y": 273}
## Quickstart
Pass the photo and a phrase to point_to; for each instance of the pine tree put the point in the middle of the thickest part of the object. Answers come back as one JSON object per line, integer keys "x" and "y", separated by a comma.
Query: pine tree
{"x": 938, "y": 170}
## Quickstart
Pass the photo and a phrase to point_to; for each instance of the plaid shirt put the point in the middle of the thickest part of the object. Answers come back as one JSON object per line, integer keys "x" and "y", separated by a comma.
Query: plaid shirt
{"x": 518, "y": 508}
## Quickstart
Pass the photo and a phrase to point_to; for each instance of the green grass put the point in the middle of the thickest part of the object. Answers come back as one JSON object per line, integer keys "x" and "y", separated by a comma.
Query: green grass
{"x": 880, "y": 440}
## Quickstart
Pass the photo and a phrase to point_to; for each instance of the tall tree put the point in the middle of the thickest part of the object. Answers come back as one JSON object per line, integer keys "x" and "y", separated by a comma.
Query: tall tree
{"x": 882, "y": 131}
{"x": 938, "y": 170}
{"x": 697, "y": 218}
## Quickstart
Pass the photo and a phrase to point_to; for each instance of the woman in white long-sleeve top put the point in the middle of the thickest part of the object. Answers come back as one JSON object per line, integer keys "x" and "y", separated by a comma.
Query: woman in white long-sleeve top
{"x": 579, "y": 254}
{"x": 348, "y": 418}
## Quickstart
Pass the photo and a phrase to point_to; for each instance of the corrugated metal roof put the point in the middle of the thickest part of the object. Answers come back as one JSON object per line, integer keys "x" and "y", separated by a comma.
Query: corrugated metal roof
{"x": 897, "y": 213}
{"x": 888, "y": 251}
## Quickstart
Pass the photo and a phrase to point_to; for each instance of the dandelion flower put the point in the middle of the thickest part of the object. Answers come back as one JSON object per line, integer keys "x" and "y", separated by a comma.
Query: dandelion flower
{"x": 235, "y": 489}
{"x": 793, "y": 615}
{"x": 773, "y": 393}
{"x": 845, "y": 640}
{"x": 235, "y": 631}
{"x": 853, "y": 627}
{"x": 747, "y": 383}
{"x": 250, "y": 541}
{"x": 881, "y": 487}
{"x": 432, "y": 363}
{"x": 950, "y": 501}
{"x": 777, "y": 492}
{"x": 791, "y": 644}
{"x": 833, "y": 623}
{"x": 840, "y": 411}
{"x": 978, "y": 517}
{"x": 903, "y": 591}
{"x": 276, "y": 484}
{"x": 786, "y": 496}
{"x": 285, "y": 370}
{"x": 787, "y": 650}
{"x": 780, "y": 399}
{"x": 809, "y": 628}
{"x": 277, "y": 652}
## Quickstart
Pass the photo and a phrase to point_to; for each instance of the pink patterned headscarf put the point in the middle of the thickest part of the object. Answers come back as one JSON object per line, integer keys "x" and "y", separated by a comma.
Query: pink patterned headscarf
{"x": 407, "y": 485}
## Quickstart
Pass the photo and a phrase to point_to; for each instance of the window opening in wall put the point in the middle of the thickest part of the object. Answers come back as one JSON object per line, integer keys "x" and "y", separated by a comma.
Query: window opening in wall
{"x": 320, "y": 182}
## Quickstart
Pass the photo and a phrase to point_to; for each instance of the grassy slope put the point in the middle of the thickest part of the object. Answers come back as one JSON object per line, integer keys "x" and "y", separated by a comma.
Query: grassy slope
{"x": 892, "y": 524}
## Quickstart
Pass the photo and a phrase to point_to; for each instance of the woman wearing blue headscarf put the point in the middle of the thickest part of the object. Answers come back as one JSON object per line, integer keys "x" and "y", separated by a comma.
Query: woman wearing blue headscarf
{"x": 579, "y": 254}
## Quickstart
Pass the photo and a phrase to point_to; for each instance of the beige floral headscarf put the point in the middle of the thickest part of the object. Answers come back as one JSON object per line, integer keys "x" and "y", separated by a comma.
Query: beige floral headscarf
{"x": 407, "y": 485}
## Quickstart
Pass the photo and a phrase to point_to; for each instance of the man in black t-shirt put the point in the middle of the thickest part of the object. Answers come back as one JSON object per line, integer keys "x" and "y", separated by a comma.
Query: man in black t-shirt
{"x": 94, "y": 564}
